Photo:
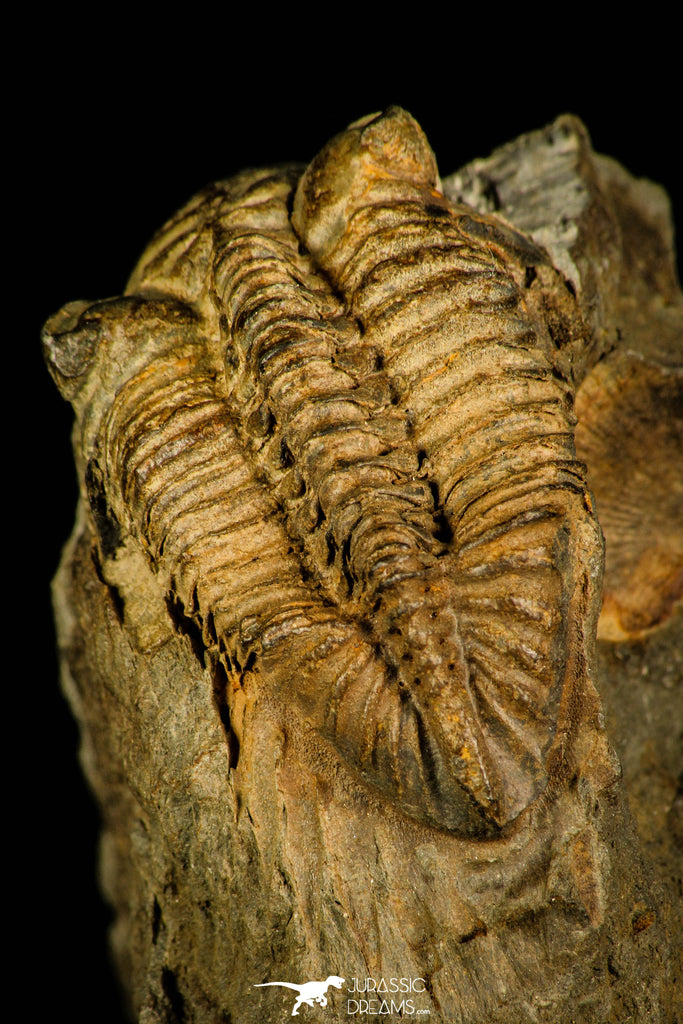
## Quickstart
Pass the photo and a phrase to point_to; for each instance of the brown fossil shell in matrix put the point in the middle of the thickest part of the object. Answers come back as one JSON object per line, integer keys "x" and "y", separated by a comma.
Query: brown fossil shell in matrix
{"x": 368, "y": 460}
{"x": 336, "y": 409}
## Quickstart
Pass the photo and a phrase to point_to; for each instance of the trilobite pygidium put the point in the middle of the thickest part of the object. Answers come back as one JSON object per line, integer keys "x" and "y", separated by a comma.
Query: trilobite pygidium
{"x": 337, "y": 412}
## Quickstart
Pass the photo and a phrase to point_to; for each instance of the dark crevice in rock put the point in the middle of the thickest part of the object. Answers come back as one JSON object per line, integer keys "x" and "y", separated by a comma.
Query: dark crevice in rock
{"x": 169, "y": 985}
{"x": 186, "y": 626}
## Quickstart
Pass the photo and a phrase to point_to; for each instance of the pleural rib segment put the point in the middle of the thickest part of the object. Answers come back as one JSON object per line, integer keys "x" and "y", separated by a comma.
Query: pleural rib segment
{"x": 347, "y": 449}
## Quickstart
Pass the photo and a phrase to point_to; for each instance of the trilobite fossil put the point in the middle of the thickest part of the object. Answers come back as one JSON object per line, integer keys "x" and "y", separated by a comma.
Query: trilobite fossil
{"x": 336, "y": 409}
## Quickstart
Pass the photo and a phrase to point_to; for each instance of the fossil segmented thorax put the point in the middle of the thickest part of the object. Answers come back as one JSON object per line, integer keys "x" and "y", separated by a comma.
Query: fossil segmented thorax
{"x": 334, "y": 409}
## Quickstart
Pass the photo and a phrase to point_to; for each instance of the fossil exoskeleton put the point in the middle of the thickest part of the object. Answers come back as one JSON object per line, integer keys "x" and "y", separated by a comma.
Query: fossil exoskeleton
{"x": 336, "y": 409}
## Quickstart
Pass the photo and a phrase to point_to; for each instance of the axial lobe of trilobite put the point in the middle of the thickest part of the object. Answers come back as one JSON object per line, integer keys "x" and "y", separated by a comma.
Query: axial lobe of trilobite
{"x": 302, "y": 399}
{"x": 305, "y": 383}
{"x": 488, "y": 405}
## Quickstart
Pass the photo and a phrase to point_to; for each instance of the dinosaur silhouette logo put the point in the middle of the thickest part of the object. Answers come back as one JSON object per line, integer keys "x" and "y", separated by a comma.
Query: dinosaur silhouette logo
{"x": 311, "y": 992}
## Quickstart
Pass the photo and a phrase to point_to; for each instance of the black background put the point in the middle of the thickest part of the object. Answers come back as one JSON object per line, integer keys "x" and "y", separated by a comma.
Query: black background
{"x": 115, "y": 128}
